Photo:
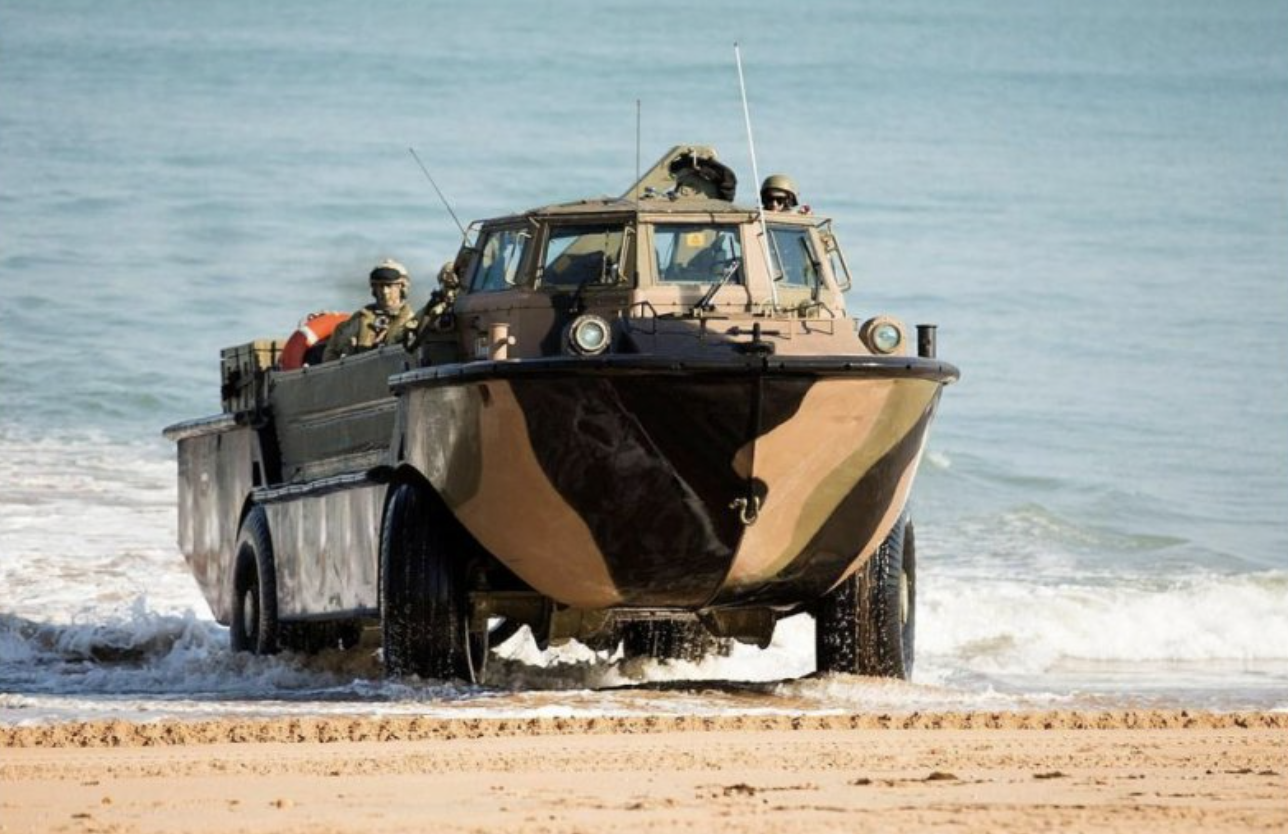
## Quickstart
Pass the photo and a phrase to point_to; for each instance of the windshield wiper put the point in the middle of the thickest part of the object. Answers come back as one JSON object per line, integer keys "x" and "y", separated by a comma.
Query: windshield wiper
{"x": 814, "y": 265}
{"x": 730, "y": 270}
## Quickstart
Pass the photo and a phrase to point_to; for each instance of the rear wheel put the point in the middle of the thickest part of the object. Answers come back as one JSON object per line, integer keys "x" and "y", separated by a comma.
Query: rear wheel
{"x": 423, "y": 605}
{"x": 254, "y": 626}
{"x": 867, "y": 624}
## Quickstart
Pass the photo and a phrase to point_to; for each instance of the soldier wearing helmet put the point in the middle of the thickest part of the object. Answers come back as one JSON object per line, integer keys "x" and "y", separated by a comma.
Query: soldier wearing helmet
{"x": 778, "y": 193}
{"x": 436, "y": 315}
{"x": 387, "y": 321}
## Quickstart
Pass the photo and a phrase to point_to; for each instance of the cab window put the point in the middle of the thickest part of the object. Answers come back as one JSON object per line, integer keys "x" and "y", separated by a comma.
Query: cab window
{"x": 794, "y": 260}
{"x": 500, "y": 255}
{"x": 697, "y": 253}
{"x": 580, "y": 255}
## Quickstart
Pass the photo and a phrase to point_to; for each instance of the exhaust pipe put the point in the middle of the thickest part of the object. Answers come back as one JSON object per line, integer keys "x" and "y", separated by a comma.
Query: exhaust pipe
{"x": 926, "y": 340}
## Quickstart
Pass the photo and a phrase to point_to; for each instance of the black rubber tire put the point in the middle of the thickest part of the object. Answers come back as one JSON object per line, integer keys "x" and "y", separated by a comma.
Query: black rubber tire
{"x": 423, "y": 605}
{"x": 254, "y": 625}
{"x": 479, "y": 646}
{"x": 666, "y": 640}
{"x": 867, "y": 624}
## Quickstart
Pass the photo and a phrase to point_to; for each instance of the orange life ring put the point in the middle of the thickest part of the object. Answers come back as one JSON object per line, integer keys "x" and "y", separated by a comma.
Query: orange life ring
{"x": 314, "y": 328}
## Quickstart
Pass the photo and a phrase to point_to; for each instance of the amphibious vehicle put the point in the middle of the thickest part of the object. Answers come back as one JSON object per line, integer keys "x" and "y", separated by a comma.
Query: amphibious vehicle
{"x": 645, "y": 422}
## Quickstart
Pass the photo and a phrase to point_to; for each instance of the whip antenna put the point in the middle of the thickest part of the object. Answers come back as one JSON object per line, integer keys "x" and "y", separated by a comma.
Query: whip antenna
{"x": 755, "y": 173}
{"x": 637, "y": 153}
{"x": 446, "y": 205}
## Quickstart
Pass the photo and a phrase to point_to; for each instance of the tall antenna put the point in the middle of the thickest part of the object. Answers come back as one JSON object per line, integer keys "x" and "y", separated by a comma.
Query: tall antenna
{"x": 760, "y": 210}
{"x": 447, "y": 205}
{"x": 637, "y": 154}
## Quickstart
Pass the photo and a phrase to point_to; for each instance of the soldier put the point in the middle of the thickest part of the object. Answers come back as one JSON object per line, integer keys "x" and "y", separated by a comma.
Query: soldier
{"x": 388, "y": 321}
{"x": 436, "y": 316}
{"x": 778, "y": 193}
{"x": 437, "y": 312}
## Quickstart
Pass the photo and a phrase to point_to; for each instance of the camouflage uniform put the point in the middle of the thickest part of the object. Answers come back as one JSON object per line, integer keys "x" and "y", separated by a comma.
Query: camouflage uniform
{"x": 436, "y": 316}
{"x": 374, "y": 325}
{"x": 370, "y": 328}
{"x": 442, "y": 299}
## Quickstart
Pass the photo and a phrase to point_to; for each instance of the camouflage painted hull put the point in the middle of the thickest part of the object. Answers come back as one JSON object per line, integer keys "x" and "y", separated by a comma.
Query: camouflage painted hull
{"x": 639, "y": 481}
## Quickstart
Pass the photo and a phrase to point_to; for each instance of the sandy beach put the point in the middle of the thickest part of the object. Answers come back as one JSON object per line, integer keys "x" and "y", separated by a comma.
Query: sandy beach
{"x": 1107, "y": 771}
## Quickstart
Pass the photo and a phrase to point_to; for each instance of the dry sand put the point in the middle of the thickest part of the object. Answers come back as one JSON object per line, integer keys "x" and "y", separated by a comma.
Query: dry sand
{"x": 1116, "y": 771}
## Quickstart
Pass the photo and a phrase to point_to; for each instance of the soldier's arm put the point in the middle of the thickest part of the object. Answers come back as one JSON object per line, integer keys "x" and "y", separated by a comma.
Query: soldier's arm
{"x": 338, "y": 345}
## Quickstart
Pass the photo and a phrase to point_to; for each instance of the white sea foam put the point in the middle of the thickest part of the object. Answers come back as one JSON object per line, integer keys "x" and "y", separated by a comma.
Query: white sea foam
{"x": 149, "y": 665}
{"x": 87, "y": 525}
{"x": 937, "y": 460}
{"x": 1016, "y": 625}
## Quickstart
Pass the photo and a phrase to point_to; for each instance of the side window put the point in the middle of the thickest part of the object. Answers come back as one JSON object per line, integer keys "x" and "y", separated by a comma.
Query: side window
{"x": 578, "y": 255}
{"x": 795, "y": 263}
{"x": 696, "y": 253}
{"x": 840, "y": 269}
{"x": 500, "y": 255}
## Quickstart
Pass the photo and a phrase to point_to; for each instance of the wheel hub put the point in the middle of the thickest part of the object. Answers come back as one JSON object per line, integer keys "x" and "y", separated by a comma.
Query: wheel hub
{"x": 250, "y": 613}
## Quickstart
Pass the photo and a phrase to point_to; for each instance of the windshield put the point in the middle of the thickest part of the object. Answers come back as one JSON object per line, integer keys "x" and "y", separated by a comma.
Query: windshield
{"x": 576, "y": 255}
{"x": 696, "y": 253}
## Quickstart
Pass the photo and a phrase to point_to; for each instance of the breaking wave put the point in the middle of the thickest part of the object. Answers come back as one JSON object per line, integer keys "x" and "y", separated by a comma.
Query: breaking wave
{"x": 1029, "y": 626}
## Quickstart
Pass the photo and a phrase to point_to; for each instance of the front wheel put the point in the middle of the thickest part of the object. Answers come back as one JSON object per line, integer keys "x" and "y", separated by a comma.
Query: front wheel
{"x": 423, "y": 605}
{"x": 867, "y": 624}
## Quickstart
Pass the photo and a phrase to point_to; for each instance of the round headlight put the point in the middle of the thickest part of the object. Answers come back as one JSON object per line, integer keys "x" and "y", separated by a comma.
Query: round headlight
{"x": 589, "y": 335}
{"x": 882, "y": 335}
{"x": 886, "y": 338}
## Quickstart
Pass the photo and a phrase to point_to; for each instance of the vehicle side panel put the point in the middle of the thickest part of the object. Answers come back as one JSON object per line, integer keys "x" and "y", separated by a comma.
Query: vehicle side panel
{"x": 336, "y": 417}
{"x": 215, "y": 474}
{"x": 327, "y": 549}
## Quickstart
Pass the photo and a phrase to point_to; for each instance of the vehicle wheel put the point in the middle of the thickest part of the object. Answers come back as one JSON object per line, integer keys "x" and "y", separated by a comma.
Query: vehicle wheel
{"x": 867, "y": 624}
{"x": 666, "y": 640}
{"x": 254, "y": 611}
{"x": 423, "y": 607}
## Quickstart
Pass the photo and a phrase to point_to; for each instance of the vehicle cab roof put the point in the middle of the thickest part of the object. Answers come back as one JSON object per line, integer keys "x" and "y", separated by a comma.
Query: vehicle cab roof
{"x": 687, "y": 180}
{"x": 659, "y": 208}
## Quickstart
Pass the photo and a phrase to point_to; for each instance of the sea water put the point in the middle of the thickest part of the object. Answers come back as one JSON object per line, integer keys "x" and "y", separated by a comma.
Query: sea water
{"x": 1091, "y": 200}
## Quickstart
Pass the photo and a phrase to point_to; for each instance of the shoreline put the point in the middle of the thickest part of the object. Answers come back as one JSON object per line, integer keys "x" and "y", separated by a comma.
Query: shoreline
{"x": 1122, "y": 771}
{"x": 340, "y": 729}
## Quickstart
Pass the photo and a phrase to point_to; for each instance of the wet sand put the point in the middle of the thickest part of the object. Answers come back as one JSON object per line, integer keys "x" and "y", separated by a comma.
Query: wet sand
{"x": 1068, "y": 771}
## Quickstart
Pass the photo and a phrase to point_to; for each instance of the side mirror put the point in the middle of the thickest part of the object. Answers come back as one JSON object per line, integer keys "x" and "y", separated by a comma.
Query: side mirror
{"x": 461, "y": 264}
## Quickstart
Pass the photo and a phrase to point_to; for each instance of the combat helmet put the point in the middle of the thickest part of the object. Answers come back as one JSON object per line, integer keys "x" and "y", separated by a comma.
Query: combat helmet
{"x": 390, "y": 271}
{"x": 778, "y": 185}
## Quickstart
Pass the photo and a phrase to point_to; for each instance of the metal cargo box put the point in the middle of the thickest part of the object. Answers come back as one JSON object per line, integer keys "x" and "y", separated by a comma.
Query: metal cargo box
{"x": 245, "y": 369}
